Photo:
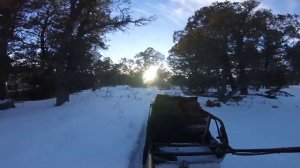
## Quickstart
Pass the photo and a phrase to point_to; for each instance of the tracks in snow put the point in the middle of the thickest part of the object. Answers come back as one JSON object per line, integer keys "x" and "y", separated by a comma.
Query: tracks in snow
{"x": 136, "y": 158}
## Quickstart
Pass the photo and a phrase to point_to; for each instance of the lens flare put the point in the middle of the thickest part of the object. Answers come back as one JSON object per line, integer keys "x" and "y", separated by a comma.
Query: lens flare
{"x": 150, "y": 74}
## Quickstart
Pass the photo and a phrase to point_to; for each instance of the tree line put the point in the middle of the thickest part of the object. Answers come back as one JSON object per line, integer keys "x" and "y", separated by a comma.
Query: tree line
{"x": 236, "y": 44}
{"x": 52, "y": 48}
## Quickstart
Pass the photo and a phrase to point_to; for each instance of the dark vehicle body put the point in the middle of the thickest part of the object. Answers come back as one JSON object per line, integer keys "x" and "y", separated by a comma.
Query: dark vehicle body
{"x": 178, "y": 134}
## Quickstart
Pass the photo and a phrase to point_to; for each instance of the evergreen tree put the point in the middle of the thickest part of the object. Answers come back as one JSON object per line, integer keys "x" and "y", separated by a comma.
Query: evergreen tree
{"x": 149, "y": 57}
{"x": 11, "y": 13}
{"x": 84, "y": 24}
{"x": 294, "y": 60}
{"x": 231, "y": 43}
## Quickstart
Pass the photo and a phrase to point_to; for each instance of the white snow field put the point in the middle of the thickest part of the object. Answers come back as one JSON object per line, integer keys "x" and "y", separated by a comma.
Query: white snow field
{"x": 103, "y": 129}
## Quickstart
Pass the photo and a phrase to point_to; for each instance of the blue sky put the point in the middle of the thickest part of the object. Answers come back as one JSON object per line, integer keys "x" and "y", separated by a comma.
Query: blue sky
{"x": 171, "y": 16}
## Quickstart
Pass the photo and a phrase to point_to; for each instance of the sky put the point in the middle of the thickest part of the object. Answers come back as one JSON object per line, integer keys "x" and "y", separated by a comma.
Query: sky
{"x": 171, "y": 16}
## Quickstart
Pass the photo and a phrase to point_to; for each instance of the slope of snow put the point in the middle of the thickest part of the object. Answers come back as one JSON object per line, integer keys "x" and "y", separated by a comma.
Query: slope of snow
{"x": 103, "y": 129}
{"x": 96, "y": 129}
{"x": 258, "y": 122}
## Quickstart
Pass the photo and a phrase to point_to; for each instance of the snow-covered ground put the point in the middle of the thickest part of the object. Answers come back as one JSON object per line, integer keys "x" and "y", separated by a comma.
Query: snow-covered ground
{"x": 258, "y": 122}
{"x": 104, "y": 129}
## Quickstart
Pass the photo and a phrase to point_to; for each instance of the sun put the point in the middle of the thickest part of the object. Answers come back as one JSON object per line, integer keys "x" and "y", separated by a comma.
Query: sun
{"x": 150, "y": 74}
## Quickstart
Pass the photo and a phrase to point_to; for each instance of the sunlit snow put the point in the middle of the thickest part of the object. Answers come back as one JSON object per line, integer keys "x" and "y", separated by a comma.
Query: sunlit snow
{"x": 104, "y": 129}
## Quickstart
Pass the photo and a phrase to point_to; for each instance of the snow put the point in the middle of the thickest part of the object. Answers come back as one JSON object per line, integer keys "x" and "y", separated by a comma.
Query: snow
{"x": 3, "y": 101}
{"x": 258, "y": 122}
{"x": 105, "y": 129}
{"x": 94, "y": 129}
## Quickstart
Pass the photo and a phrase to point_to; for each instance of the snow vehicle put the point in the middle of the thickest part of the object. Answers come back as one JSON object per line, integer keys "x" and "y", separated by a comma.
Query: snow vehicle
{"x": 180, "y": 134}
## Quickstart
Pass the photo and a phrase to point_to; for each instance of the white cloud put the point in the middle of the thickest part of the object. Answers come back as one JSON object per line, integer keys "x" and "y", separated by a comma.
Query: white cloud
{"x": 141, "y": 11}
{"x": 178, "y": 11}
{"x": 166, "y": 11}
{"x": 287, "y": 6}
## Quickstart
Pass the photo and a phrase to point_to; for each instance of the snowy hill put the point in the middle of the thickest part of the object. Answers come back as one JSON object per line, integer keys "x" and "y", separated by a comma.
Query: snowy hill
{"x": 258, "y": 122}
{"x": 103, "y": 128}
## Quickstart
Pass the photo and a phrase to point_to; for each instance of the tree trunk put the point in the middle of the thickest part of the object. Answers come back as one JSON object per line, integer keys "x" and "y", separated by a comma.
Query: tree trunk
{"x": 242, "y": 80}
{"x": 62, "y": 82}
{"x": 296, "y": 77}
{"x": 228, "y": 74}
{"x": 242, "y": 83}
{"x": 3, "y": 88}
{"x": 4, "y": 59}
{"x": 44, "y": 52}
{"x": 244, "y": 90}
{"x": 4, "y": 68}
{"x": 228, "y": 79}
{"x": 231, "y": 81}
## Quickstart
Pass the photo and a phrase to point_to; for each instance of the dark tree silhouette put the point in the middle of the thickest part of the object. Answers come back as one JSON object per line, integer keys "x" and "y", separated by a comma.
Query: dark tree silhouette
{"x": 233, "y": 43}
{"x": 10, "y": 18}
